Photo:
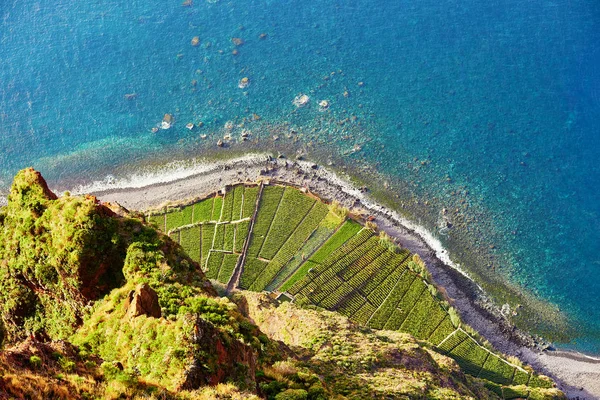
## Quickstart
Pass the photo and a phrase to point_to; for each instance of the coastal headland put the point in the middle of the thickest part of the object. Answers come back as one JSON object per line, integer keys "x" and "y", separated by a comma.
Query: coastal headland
{"x": 577, "y": 374}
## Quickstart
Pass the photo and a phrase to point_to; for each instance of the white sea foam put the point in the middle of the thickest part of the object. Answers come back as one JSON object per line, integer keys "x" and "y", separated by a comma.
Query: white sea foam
{"x": 431, "y": 241}
{"x": 177, "y": 170}
{"x": 170, "y": 172}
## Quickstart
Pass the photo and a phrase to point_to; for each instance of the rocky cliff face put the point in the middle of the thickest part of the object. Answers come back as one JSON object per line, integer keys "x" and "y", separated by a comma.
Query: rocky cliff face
{"x": 95, "y": 303}
{"x": 57, "y": 255}
{"x": 219, "y": 357}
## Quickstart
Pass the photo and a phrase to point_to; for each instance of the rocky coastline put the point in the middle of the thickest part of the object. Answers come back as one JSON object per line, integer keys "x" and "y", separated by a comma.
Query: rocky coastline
{"x": 578, "y": 375}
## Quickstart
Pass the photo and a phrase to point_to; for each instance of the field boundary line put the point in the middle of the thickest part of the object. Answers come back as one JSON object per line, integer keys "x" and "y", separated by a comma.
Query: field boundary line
{"x": 234, "y": 281}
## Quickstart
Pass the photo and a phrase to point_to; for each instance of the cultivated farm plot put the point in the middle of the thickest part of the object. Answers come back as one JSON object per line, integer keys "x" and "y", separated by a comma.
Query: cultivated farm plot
{"x": 269, "y": 203}
{"x": 215, "y": 245}
{"x": 326, "y": 228}
{"x": 191, "y": 242}
{"x": 497, "y": 370}
{"x": 292, "y": 209}
{"x": 203, "y": 210}
{"x": 280, "y": 239}
{"x": 252, "y": 269}
{"x": 276, "y": 268}
{"x": 470, "y": 356}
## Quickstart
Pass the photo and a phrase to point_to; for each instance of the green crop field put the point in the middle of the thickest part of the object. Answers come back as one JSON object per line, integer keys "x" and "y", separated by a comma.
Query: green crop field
{"x": 203, "y": 210}
{"x": 219, "y": 240}
{"x": 249, "y": 201}
{"x": 229, "y": 263}
{"x": 442, "y": 331}
{"x": 496, "y": 370}
{"x": 158, "y": 220}
{"x": 208, "y": 234}
{"x": 276, "y": 272}
{"x": 346, "y": 231}
{"x": 269, "y": 203}
{"x": 174, "y": 236}
{"x": 390, "y": 301}
{"x": 238, "y": 197}
{"x": 300, "y": 246}
{"x": 227, "y": 211}
{"x": 520, "y": 377}
{"x": 190, "y": 241}
{"x": 228, "y": 237}
{"x": 252, "y": 268}
{"x": 241, "y": 234}
{"x": 292, "y": 209}
{"x": 213, "y": 264}
{"x": 324, "y": 230}
{"x": 470, "y": 356}
{"x": 216, "y": 210}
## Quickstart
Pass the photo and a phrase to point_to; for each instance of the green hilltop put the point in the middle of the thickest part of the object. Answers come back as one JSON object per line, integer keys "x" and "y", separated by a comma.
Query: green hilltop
{"x": 100, "y": 302}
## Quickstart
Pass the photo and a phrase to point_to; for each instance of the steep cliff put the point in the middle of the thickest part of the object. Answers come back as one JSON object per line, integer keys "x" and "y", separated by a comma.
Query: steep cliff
{"x": 96, "y": 303}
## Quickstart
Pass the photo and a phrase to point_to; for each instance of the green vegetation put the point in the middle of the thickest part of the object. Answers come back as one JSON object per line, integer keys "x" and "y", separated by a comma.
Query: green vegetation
{"x": 360, "y": 363}
{"x": 227, "y": 212}
{"x": 238, "y": 192}
{"x": 54, "y": 253}
{"x": 190, "y": 241}
{"x": 269, "y": 203}
{"x": 145, "y": 322}
{"x": 289, "y": 248}
{"x": 217, "y": 206}
{"x": 292, "y": 209}
{"x": 252, "y": 269}
{"x": 213, "y": 264}
{"x": 208, "y": 233}
{"x": 249, "y": 203}
{"x": 203, "y": 210}
{"x": 241, "y": 234}
{"x": 346, "y": 231}
{"x": 229, "y": 263}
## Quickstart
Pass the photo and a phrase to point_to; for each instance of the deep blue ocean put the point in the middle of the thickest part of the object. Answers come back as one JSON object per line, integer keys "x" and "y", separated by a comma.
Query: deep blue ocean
{"x": 489, "y": 108}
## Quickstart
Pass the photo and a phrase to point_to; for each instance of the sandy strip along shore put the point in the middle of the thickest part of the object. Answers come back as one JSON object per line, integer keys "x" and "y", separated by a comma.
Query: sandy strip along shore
{"x": 577, "y": 374}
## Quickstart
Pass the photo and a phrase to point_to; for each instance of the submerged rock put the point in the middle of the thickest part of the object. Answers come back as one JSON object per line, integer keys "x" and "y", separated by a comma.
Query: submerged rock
{"x": 167, "y": 121}
{"x": 195, "y": 41}
{"x": 244, "y": 83}
{"x": 301, "y": 100}
{"x": 323, "y": 105}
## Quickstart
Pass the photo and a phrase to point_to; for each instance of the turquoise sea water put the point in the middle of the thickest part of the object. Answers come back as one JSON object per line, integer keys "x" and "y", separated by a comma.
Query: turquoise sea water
{"x": 488, "y": 109}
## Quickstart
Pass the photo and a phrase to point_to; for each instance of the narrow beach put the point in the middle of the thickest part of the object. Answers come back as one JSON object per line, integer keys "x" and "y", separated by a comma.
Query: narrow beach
{"x": 578, "y": 375}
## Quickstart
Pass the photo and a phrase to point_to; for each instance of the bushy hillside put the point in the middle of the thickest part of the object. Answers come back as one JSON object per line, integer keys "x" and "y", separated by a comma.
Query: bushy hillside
{"x": 361, "y": 363}
{"x": 276, "y": 237}
{"x": 58, "y": 255}
{"x": 95, "y": 303}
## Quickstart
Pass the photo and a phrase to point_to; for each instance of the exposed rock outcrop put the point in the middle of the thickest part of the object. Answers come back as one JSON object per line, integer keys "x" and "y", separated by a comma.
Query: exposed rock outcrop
{"x": 228, "y": 359}
{"x": 143, "y": 301}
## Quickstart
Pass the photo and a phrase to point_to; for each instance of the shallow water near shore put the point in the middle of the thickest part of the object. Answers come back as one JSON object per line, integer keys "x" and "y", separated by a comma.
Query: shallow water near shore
{"x": 483, "y": 118}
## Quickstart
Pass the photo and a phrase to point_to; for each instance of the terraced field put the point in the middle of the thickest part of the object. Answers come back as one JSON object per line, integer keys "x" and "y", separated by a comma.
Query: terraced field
{"x": 213, "y": 231}
{"x": 276, "y": 238}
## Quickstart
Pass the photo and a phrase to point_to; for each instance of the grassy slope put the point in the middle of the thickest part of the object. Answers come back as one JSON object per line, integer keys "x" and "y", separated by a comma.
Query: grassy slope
{"x": 361, "y": 363}
{"x": 356, "y": 282}
{"x": 67, "y": 270}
